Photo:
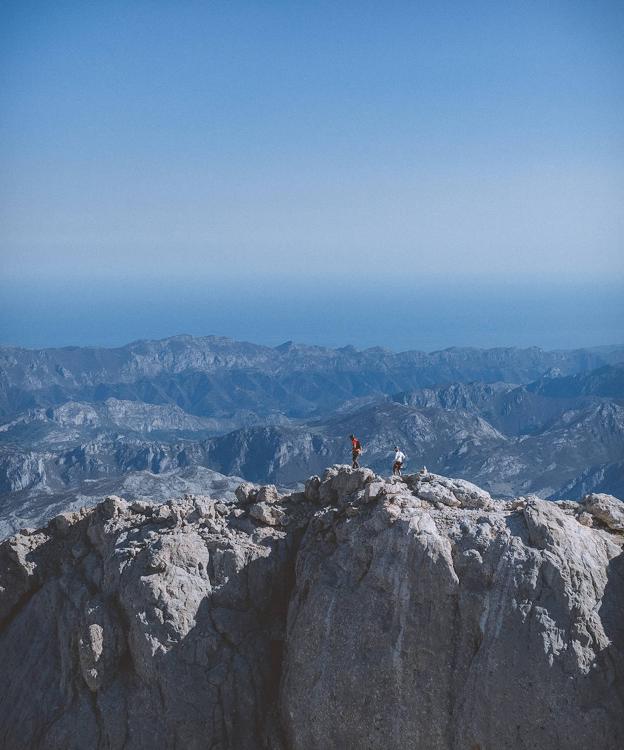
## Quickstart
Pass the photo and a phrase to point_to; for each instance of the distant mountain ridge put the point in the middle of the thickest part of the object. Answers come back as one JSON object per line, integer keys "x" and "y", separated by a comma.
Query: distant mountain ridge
{"x": 214, "y": 376}
{"x": 525, "y": 408}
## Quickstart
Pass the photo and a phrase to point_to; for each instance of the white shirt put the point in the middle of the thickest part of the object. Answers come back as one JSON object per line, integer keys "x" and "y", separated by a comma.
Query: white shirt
{"x": 399, "y": 456}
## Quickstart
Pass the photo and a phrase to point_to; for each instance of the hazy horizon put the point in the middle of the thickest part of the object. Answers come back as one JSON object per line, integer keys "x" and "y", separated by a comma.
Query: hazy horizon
{"x": 429, "y": 314}
{"x": 405, "y": 175}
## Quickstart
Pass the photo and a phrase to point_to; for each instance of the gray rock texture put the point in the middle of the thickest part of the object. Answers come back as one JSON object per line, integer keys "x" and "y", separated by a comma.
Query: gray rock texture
{"x": 415, "y": 612}
{"x": 134, "y": 626}
{"x": 607, "y": 509}
{"x": 27, "y": 509}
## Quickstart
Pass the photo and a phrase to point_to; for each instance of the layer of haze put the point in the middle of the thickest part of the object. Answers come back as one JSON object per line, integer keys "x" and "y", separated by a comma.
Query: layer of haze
{"x": 428, "y": 314}
{"x": 403, "y": 174}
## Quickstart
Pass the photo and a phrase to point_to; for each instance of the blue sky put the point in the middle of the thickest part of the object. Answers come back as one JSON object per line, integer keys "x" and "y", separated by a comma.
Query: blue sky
{"x": 230, "y": 142}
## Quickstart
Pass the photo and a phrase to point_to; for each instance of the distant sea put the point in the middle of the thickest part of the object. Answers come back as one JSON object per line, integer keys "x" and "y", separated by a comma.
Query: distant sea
{"x": 397, "y": 313}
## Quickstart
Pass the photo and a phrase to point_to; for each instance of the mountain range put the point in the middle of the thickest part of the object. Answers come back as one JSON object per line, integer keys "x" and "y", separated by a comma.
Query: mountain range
{"x": 213, "y": 376}
{"x": 156, "y": 418}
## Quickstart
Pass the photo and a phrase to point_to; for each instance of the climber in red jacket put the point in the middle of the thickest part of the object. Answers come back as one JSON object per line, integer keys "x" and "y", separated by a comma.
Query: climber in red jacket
{"x": 356, "y": 451}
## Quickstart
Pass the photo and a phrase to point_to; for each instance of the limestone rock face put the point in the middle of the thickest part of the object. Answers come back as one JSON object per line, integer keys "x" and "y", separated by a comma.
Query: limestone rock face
{"x": 452, "y": 492}
{"x": 411, "y": 612}
{"x": 143, "y": 627}
{"x": 341, "y": 481}
{"x": 426, "y": 628}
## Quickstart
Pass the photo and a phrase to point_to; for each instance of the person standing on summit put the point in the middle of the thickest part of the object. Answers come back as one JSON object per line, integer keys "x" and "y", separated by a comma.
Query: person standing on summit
{"x": 399, "y": 458}
{"x": 356, "y": 451}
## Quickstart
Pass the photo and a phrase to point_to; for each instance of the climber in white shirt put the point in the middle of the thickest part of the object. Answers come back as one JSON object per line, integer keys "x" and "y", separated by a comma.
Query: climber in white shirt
{"x": 399, "y": 458}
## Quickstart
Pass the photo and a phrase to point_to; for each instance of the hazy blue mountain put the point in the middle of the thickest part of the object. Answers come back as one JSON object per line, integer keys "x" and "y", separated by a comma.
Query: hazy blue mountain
{"x": 79, "y": 421}
{"x": 607, "y": 382}
{"x": 218, "y": 377}
{"x": 525, "y": 408}
{"x": 607, "y": 478}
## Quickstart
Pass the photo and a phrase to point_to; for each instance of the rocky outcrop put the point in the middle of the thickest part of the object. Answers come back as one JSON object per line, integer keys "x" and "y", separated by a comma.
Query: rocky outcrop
{"x": 361, "y": 613}
{"x": 607, "y": 509}
{"x": 28, "y": 509}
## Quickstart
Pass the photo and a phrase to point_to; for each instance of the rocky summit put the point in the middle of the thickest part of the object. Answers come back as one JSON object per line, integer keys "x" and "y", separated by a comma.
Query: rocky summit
{"x": 414, "y": 612}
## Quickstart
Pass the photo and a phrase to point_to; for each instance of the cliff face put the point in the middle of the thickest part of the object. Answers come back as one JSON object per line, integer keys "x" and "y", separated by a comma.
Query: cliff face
{"x": 363, "y": 613}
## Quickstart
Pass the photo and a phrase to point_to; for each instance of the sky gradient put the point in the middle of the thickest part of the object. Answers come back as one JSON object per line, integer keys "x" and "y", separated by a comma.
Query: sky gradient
{"x": 285, "y": 144}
